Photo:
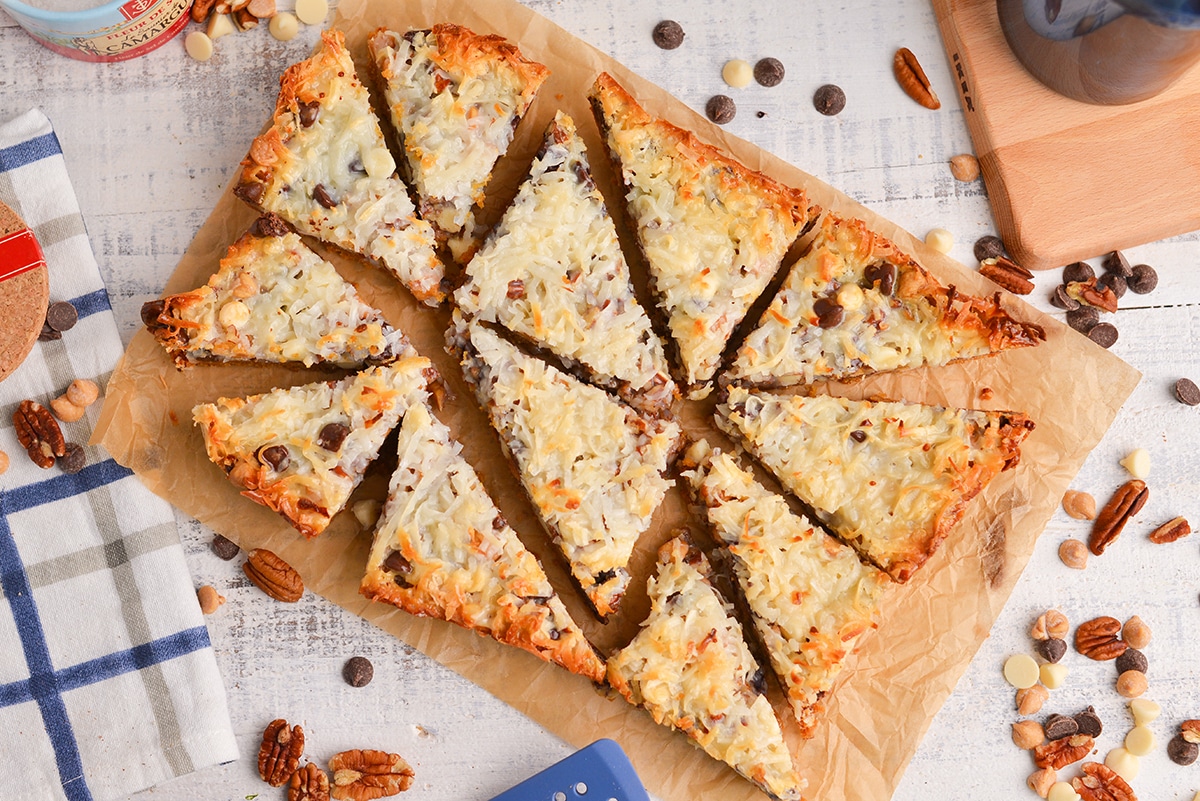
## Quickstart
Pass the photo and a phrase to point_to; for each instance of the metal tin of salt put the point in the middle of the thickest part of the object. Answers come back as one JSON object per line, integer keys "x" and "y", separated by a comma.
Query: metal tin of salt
{"x": 116, "y": 31}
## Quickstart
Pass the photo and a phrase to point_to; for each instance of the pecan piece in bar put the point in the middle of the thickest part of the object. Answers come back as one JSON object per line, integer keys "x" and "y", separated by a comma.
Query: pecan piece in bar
{"x": 279, "y": 754}
{"x": 1126, "y": 502}
{"x": 1008, "y": 274}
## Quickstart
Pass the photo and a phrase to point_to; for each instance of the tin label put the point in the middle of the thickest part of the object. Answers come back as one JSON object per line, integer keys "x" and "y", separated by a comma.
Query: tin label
{"x": 19, "y": 253}
{"x": 146, "y": 24}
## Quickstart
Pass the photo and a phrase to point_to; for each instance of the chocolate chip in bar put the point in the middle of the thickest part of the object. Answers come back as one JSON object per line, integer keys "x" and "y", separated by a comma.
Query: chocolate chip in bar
{"x": 1186, "y": 392}
{"x": 988, "y": 247}
{"x": 829, "y": 100}
{"x": 1144, "y": 279}
{"x": 668, "y": 34}
{"x": 720, "y": 109}
{"x": 1103, "y": 334}
{"x": 1079, "y": 271}
{"x": 1116, "y": 262}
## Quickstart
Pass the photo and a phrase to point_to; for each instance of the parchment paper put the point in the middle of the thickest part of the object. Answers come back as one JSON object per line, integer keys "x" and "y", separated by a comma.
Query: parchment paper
{"x": 930, "y": 628}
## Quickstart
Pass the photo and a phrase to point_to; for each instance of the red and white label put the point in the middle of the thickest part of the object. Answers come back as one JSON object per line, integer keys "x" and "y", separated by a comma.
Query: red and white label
{"x": 19, "y": 253}
{"x": 135, "y": 8}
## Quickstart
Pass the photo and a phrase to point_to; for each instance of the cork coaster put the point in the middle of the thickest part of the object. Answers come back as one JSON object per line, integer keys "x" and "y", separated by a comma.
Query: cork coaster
{"x": 23, "y": 301}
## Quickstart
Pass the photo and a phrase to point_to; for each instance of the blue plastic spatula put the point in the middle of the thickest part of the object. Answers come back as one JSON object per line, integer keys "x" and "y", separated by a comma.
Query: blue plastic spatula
{"x": 600, "y": 772}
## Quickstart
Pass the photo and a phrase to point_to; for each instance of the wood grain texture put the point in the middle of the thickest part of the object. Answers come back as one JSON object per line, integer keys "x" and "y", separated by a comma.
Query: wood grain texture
{"x": 151, "y": 143}
{"x": 1127, "y": 174}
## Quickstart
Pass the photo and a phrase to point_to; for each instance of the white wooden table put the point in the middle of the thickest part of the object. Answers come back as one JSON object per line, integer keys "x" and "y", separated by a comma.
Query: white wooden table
{"x": 151, "y": 144}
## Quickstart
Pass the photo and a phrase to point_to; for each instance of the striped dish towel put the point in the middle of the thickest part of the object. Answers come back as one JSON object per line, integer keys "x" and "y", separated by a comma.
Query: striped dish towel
{"x": 108, "y": 682}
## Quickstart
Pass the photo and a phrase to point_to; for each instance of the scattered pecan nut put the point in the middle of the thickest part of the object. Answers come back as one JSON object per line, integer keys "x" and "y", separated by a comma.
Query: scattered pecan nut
{"x": 1170, "y": 531}
{"x": 1101, "y": 783}
{"x": 279, "y": 754}
{"x": 309, "y": 784}
{"x": 1189, "y": 730}
{"x": 201, "y": 9}
{"x": 1060, "y": 753}
{"x": 1126, "y": 502}
{"x": 912, "y": 79}
{"x": 1090, "y": 293}
{"x": 38, "y": 433}
{"x": 1100, "y": 639}
{"x": 273, "y": 576}
{"x": 1008, "y": 274}
{"x": 362, "y": 775}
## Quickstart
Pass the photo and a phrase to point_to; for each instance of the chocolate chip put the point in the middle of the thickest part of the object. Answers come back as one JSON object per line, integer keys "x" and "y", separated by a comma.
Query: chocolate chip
{"x": 988, "y": 247}
{"x": 1181, "y": 751}
{"x": 251, "y": 192}
{"x": 322, "y": 196}
{"x": 769, "y": 71}
{"x": 1116, "y": 262}
{"x": 270, "y": 224}
{"x": 1186, "y": 392}
{"x": 47, "y": 333}
{"x": 1061, "y": 300}
{"x": 151, "y": 309}
{"x": 358, "y": 671}
{"x": 668, "y": 34}
{"x": 829, "y": 313}
{"x": 829, "y": 99}
{"x": 1079, "y": 271}
{"x": 224, "y": 548}
{"x": 720, "y": 109}
{"x": 396, "y": 563}
{"x": 1089, "y": 722}
{"x": 332, "y": 436}
{"x": 883, "y": 274}
{"x": 1144, "y": 279}
{"x": 62, "y": 316}
{"x": 73, "y": 460}
{"x": 1083, "y": 319}
{"x": 858, "y": 435}
{"x": 1051, "y": 650}
{"x": 276, "y": 456}
{"x": 1132, "y": 659}
{"x": 1114, "y": 282}
{"x": 760, "y": 114}
{"x": 1103, "y": 334}
{"x": 1060, "y": 726}
{"x": 309, "y": 113}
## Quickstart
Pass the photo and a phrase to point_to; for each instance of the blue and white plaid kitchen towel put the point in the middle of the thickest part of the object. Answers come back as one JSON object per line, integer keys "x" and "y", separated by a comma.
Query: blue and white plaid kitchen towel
{"x": 108, "y": 682}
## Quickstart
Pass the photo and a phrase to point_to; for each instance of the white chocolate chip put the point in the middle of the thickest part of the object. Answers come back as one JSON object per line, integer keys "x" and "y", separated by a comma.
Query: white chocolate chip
{"x": 284, "y": 26}
{"x": 1021, "y": 671}
{"x": 850, "y": 297}
{"x": 1137, "y": 463}
{"x": 378, "y": 163}
{"x": 1144, "y": 711}
{"x": 312, "y": 12}
{"x": 1123, "y": 763}
{"x": 940, "y": 240}
{"x": 220, "y": 25}
{"x": 1139, "y": 741}
{"x": 737, "y": 73}
{"x": 1061, "y": 791}
{"x": 1053, "y": 675}
{"x": 234, "y": 314}
{"x": 367, "y": 513}
{"x": 198, "y": 45}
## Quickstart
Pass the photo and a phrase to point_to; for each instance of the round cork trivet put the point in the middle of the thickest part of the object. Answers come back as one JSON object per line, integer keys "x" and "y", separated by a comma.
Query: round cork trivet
{"x": 23, "y": 302}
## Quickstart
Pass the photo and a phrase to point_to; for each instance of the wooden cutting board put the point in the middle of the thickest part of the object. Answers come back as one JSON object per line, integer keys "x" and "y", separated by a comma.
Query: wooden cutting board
{"x": 1069, "y": 180}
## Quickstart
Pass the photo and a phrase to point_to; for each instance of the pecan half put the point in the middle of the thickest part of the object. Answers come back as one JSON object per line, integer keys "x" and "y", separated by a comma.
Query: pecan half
{"x": 912, "y": 79}
{"x": 273, "y": 576}
{"x": 1101, "y": 783}
{"x": 1008, "y": 274}
{"x": 361, "y": 775}
{"x": 201, "y": 9}
{"x": 309, "y": 784}
{"x": 1100, "y": 639}
{"x": 1090, "y": 293}
{"x": 1060, "y": 753}
{"x": 1171, "y": 530}
{"x": 38, "y": 433}
{"x": 1189, "y": 730}
{"x": 280, "y": 752}
{"x": 1126, "y": 502}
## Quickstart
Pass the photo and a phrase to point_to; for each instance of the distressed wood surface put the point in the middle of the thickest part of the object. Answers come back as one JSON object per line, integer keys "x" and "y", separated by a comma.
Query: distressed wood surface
{"x": 151, "y": 143}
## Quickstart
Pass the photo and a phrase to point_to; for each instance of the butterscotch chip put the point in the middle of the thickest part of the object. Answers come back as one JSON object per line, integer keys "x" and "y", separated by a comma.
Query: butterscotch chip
{"x": 3, "y": 462}
{"x": 1031, "y": 699}
{"x": 1027, "y": 734}
{"x": 1074, "y": 554}
{"x": 964, "y": 167}
{"x": 1079, "y": 505}
{"x": 210, "y": 600}
{"x": 1135, "y": 633}
{"x": 1131, "y": 684}
{"x": 1040, "y": 781}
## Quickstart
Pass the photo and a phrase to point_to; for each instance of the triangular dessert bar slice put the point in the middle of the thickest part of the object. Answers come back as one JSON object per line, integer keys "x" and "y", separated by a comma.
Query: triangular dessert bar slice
{"x": 552, "y": 272}
{"x": 302, "y": 451}
{"x": 442, "y": 549}
{"x": 856, "y": 304}
{"x": 690, "y": 668}
{"x": 713, "y": 231}
{"x": 592, "y": 467}
{"x": 323, "y": 166}
{"x": 273, "y": 300}
{"x": 890, "y": 479}
{"x": 811, "y": 598}
{"x": 456, "y": 98}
